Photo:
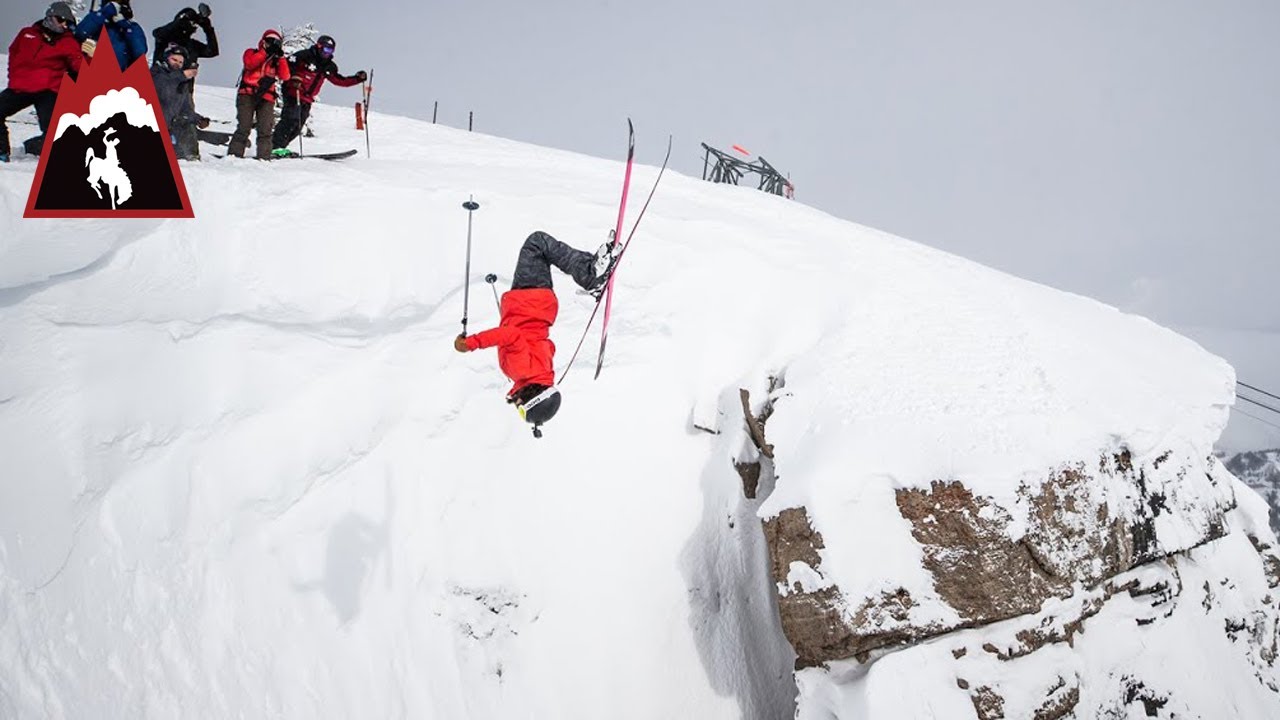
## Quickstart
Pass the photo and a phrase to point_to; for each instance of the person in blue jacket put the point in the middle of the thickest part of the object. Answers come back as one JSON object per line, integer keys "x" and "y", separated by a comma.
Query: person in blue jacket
{"x": 127, "y": 37}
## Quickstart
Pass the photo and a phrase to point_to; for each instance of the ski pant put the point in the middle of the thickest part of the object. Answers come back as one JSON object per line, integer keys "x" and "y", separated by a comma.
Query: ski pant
{"x": 12, "y": 102}
{"x": 293, "y": 115}
{"x": 253, "y": 112}
{"x": 186, "y": 143}
{"x": 539, "y": 252}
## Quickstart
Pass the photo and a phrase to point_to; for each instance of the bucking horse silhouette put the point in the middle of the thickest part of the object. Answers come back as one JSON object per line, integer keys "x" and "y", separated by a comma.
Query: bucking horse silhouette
{"x": 107, "y": 171}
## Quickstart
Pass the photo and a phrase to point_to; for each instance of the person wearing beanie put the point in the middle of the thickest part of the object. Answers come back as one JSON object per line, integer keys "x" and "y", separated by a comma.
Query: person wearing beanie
{"x": 256, "y": 98}
{"x": 182, "y": 32}
{"x": 173, "y": 79}
{"x": 39, "y": 57}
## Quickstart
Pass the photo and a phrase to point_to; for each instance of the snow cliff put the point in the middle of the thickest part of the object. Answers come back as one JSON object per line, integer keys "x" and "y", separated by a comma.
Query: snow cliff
{"x": 825, "y": 470}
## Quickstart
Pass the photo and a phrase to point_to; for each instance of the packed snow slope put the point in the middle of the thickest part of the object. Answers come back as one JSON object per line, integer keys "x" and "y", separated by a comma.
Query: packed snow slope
{"x": 243, "y": 472}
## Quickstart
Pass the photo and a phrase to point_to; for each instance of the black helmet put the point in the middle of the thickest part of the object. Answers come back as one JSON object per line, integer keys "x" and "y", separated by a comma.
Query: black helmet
{"x": 325, "y": 45}
{"x": 187, "y": 15}
{"x": 176, "y": 49}
{"x": 537, "y": 404}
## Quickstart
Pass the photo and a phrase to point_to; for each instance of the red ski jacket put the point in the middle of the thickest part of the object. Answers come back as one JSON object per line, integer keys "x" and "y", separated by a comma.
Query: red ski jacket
{"x": 38, "y": 60}
{"x": 525, "y": 353}
{"x": 310, "y": 70}
{"x": 261, "y": 72}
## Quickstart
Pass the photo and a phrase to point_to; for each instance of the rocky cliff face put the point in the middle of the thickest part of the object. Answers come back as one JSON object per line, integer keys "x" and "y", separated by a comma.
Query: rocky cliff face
{"x": 1168, "y": 549}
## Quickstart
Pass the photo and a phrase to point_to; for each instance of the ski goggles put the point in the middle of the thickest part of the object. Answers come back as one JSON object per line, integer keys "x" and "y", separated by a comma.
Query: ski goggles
{"x": 326, "y": 51}
{"x": 536, "y": 400}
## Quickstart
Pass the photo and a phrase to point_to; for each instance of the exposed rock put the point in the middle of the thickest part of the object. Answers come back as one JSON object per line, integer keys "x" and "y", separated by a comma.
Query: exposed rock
{"x": 987, "y": 703}
{"x": 1080, "y": 526}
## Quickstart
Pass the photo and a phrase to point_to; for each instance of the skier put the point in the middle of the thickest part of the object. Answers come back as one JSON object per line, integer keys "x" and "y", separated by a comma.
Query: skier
{"x": 182, "y": 30}
{"x": 256, "y": 101}
{"x": 38, "y": 58}
{"x": 127, "y": 38}
{"x": 525, "y": 352}
{"x": 310, "y": 68}
{"x": 173, "y": 80}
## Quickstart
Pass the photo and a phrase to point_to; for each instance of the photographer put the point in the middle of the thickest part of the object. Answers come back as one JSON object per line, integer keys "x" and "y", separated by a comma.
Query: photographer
{"x": 256, "y": 99}
{"x": 173, "y": 79}
{"x": 182, "y": 31}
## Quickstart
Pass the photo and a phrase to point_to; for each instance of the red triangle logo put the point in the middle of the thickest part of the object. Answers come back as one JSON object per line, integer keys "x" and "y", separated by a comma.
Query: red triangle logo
{"x": 107, "y": 153}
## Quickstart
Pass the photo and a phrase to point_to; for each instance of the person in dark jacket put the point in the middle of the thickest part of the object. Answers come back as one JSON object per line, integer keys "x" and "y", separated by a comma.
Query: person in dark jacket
{"x": 173, "y": 79}
{"x": 127, "y": 37}
{"x": 309, "y": 68}
{"x": 39, "y": 57}
{"x": 256, "y": 99}
{"x": 528, "y": 310}
{"x": 182, "y": 32}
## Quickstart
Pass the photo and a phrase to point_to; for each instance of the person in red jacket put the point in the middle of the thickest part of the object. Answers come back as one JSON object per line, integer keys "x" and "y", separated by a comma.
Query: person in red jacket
{"x": 525, "y": 352}
{"x": 309, "y": 68}
{"x": 38, "y": 58}
{"x": 256, "y": 100}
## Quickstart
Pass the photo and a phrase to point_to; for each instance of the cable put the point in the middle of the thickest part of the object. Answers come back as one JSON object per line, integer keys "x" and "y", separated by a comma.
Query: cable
{"x": 1255, "y": 402}
{"x": 1264, "y": 392}
{"x": 1255, "y": 417}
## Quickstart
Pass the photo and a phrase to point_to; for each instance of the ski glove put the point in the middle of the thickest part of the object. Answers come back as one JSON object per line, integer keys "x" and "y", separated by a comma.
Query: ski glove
{"x": 112, "y": 12}
{"x": 460, "y": 343}
{"x": 362, "y": 75}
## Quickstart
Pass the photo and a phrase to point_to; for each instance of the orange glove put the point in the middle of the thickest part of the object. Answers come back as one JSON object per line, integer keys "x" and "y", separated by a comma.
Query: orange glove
{"x": 460, "y": 343}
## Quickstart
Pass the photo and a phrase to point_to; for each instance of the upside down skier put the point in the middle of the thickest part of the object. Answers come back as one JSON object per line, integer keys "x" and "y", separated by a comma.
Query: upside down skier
{"x": 525, "y": 352}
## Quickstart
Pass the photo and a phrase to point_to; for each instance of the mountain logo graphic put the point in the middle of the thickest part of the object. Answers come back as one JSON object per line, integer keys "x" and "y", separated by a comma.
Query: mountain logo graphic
{"x": 108, "y": 152}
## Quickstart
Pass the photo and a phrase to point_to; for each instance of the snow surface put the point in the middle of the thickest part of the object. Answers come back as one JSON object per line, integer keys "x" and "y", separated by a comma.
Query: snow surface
{"x": 246, "y": 474}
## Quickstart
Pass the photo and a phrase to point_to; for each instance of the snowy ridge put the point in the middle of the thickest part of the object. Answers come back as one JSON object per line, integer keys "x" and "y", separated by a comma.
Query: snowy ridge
{"x": 247, "y": 475}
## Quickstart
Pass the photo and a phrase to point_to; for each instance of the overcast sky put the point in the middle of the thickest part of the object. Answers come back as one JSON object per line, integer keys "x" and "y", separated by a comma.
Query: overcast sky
{"x": 1129, "y": 151}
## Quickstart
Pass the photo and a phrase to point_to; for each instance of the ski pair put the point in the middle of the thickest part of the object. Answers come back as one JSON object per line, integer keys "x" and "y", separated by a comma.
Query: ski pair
{"x": 619, "y": 249}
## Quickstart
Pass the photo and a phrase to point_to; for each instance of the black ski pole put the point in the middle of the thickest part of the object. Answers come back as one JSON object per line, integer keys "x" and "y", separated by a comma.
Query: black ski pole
{"x": 471, "y": 205}
{"x": 491, "y": 279}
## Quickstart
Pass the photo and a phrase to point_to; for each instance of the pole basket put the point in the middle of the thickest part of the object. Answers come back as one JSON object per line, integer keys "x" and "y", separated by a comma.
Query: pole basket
{"x": 359, "y": 116}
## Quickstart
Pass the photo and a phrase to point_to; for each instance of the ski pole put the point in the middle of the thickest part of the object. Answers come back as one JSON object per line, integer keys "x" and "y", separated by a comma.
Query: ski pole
{"x": 367, "y": 89}
{"x": 471, "y": 205}
{"x": 491, "y": 279}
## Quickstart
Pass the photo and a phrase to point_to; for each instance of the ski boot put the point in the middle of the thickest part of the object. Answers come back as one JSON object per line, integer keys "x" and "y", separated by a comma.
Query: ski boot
{"x": 606, "y": 258}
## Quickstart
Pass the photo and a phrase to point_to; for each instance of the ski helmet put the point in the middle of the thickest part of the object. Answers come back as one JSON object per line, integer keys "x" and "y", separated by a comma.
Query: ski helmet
{"x": 187, "y": 16}
{"x": 325, "y": 45}
{"x": 542, "y": 406}
{"x": 59, "y": 17}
